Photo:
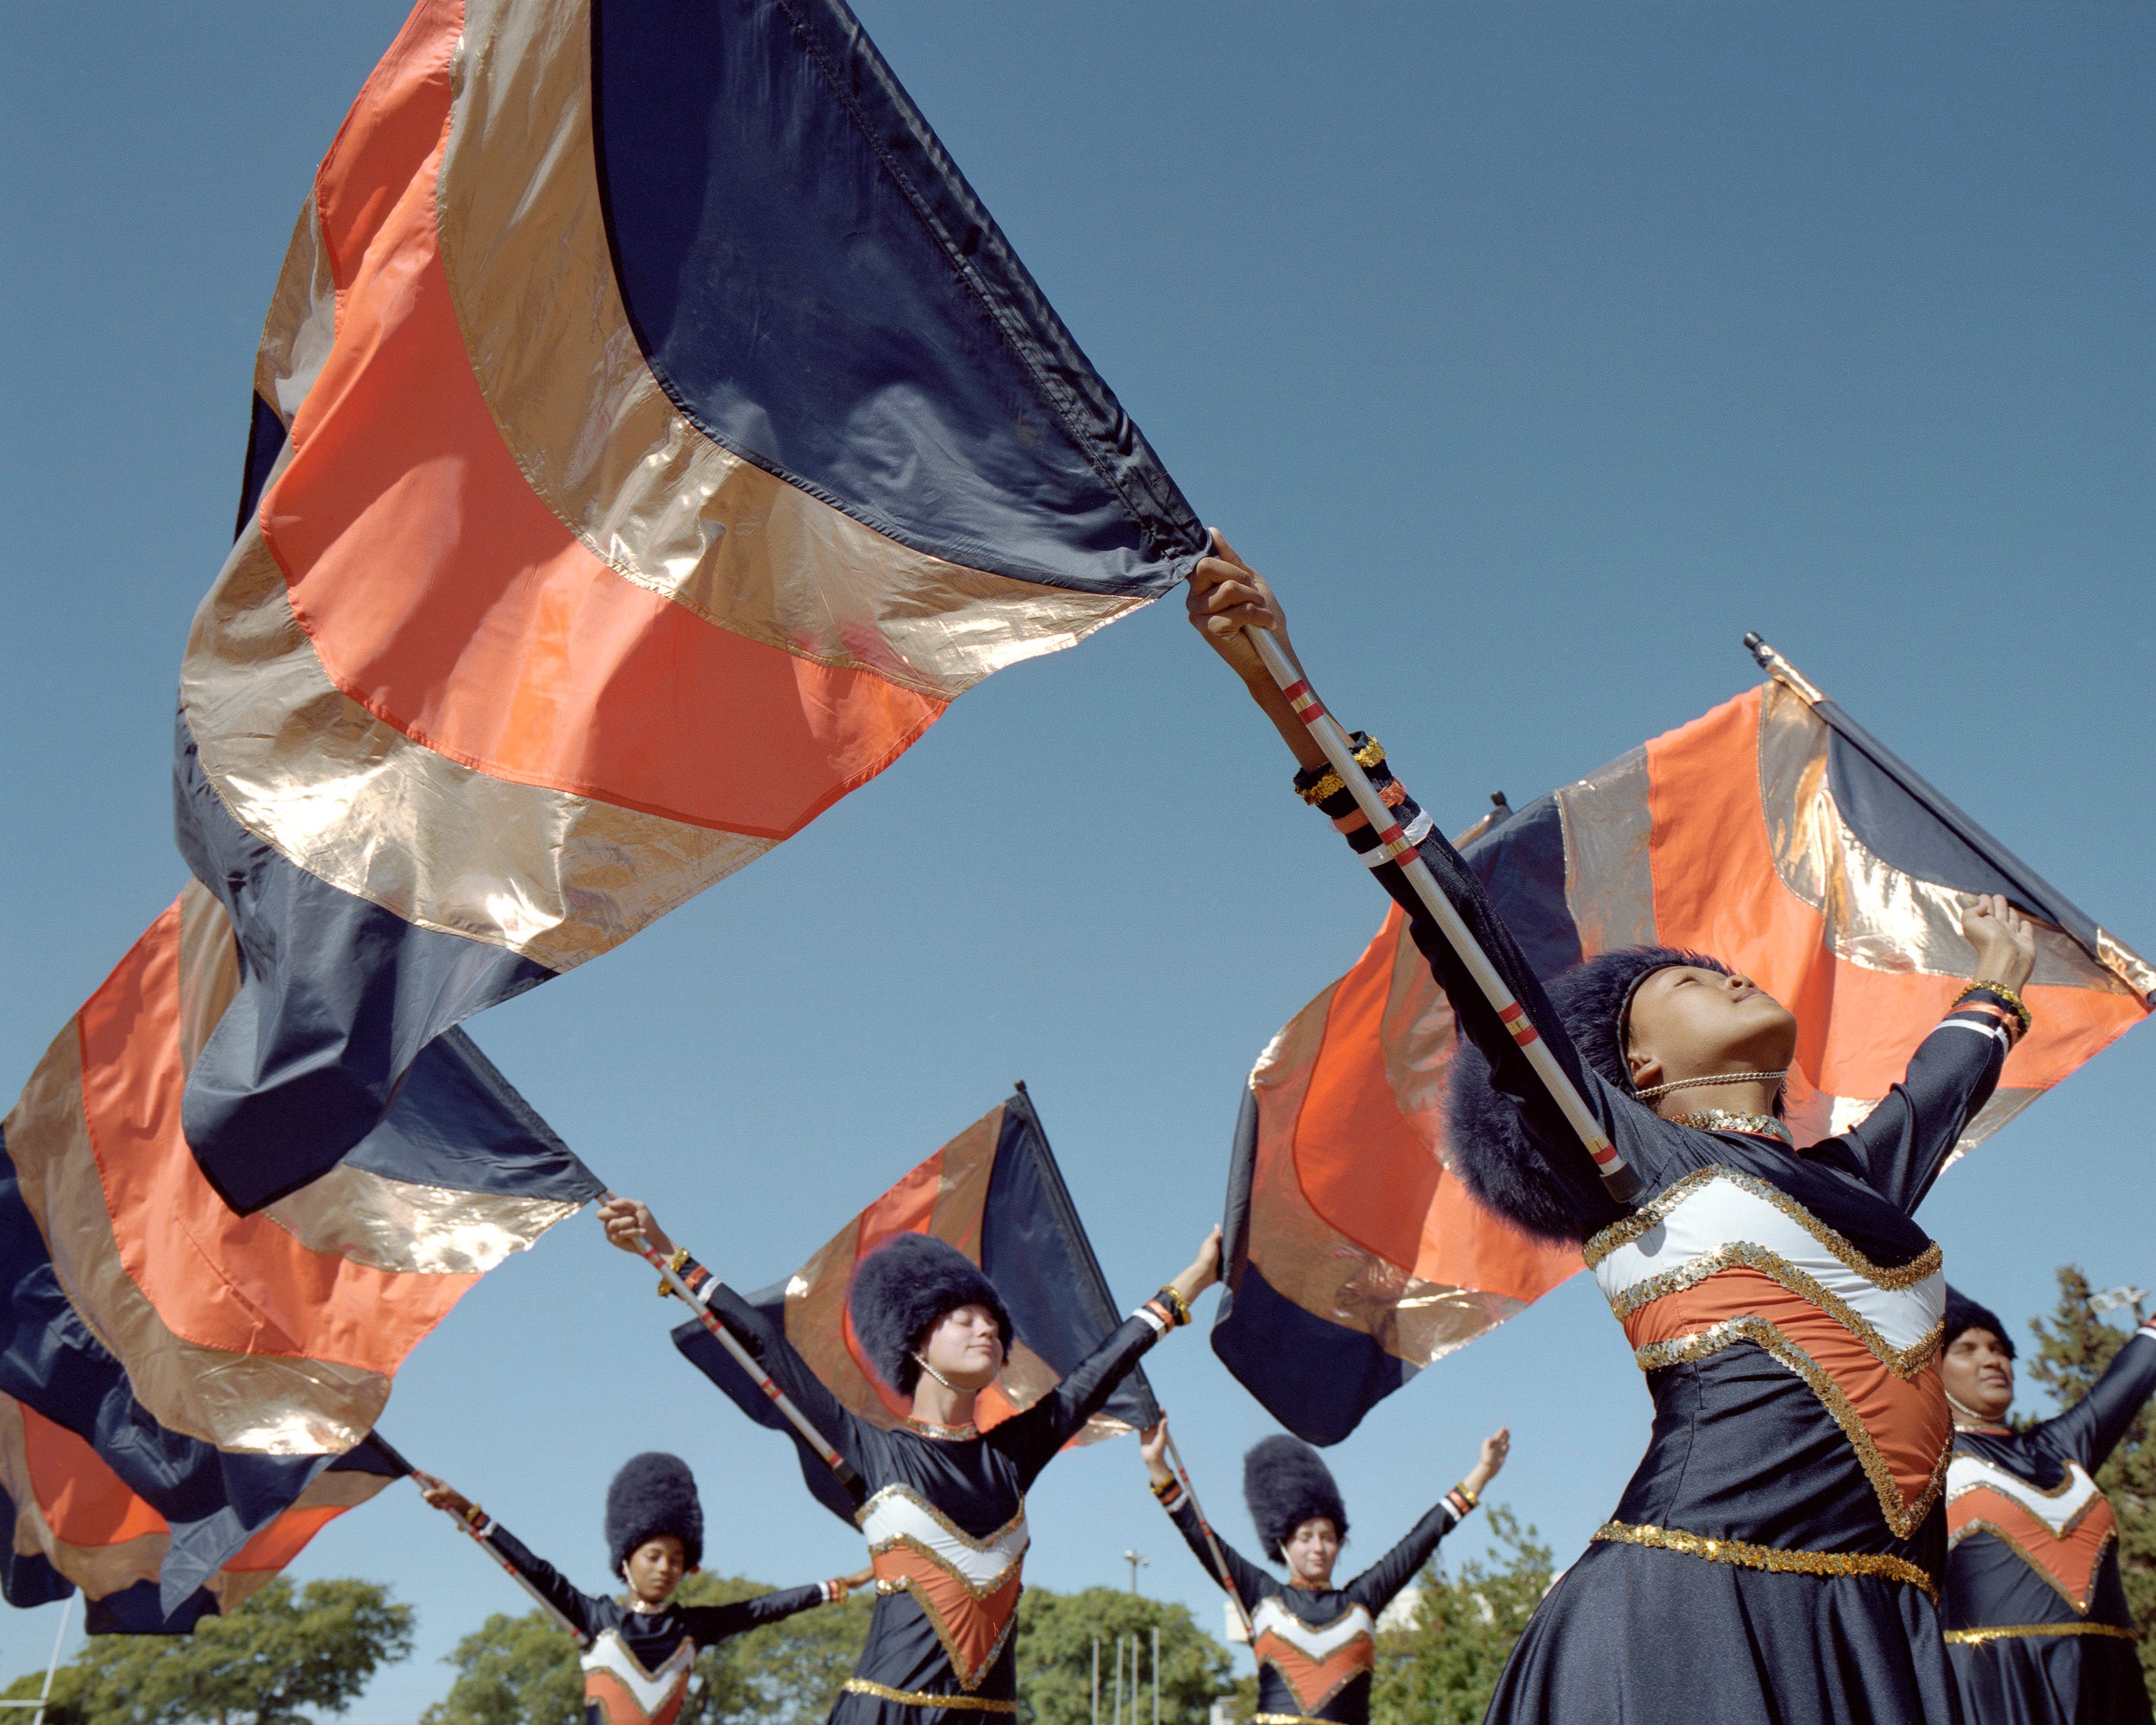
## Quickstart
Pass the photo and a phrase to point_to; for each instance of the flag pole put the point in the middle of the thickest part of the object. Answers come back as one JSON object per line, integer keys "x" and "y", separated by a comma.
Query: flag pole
{"x": 1220, "y": 1563}
{"x": 473, "y": 1534}
{"x": 1393, "y": 846}
{"x": 746, "y": 1361}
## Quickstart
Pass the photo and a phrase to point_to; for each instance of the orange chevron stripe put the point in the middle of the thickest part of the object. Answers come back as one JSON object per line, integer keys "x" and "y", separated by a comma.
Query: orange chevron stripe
{"x": 2069, "y": 1564}
{"x": 616, "y": 1706}
{"x": 1314, "y": 1682}
{"x": 973, "y": 1629}
{"x": 1906, "y": 1419}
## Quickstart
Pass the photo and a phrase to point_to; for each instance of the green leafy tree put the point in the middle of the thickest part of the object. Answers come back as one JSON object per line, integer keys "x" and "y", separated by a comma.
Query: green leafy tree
{"x": 523, "y": 1671}
{"x": 2072, "y": 1350}
{"x": 280, "y": 1657}
{"x": 1442, "y": 1671}
{"x": 1056, "y": 1633}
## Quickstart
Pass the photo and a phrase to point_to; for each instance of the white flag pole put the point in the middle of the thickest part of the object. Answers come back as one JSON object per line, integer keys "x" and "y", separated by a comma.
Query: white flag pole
{"x": 1393, "y": 845}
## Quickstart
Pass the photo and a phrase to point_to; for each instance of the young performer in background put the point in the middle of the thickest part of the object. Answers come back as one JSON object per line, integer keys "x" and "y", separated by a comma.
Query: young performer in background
{"x": 640, "y": 1650}
{"x": 1776, "y": 1557}
{"x": 2037, "y": 1625}
{"x": 945, "y": 1505}
{"x": 1316, "y": 1644}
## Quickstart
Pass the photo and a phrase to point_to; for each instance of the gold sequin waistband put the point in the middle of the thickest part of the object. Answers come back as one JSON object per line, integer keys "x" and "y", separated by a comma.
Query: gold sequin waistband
{"x": 1287, "y": 1719}
{"x": 1746, "y": 1555}
{"x": 914, "y": 1697}
{"x": 2000, "y": 1632}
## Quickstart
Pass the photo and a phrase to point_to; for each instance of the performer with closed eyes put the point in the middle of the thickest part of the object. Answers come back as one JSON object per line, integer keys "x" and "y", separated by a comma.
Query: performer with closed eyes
{"x": 2037, "y": 1625}
{"x": 1776, "y": 1557}
{"x": 639, "y": 1651}
{"x": 1316, "y": 1643}
{"x": 944, "y": 1503}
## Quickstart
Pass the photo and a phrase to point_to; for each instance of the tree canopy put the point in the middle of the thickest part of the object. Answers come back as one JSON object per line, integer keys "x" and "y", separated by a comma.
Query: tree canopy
{"x": 1442, "y": 1670}
{"x": 280, "y": 1657}
{"x": 2072, "y": 1350}
{"x": 1056, "y": 1633}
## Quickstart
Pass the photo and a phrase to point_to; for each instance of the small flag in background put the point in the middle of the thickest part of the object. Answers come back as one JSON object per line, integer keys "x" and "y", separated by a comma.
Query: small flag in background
{"x": 1773, "y": 833}
{"x": 995, "y": 1193}
{"x": 653, "y": 434}
{"x": 217, "y": 1362}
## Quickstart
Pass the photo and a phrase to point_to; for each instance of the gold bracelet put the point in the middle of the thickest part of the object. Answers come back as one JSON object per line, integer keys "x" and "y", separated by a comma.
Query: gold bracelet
{"x": 1473, "y": 1498}
{"x": 1369, "y": 757}
{"x": 1160, "y": 1488}
{"x": 1177, "y": 1304}
{"x": 677, "y": 1263}
{"x": 2014, "y": 1002}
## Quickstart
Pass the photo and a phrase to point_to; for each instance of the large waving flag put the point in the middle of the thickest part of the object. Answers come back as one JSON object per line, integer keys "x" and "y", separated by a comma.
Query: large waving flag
{"x": 996, "y": 1194}
{"x": 218, "y": 1364}
{"x": 1774, "y": 832}
{"x": 156, "y": 1527}
{"x": 653, "y": 434}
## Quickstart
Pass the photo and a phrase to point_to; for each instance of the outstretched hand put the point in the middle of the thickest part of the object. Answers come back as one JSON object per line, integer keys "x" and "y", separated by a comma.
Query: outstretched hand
{"x": 2005, "y": 944}
{"x": 1153, "y": 1447}
{"x": 630, "y": 1224}
{"x": 1204, "y": 1271}
{"x": 440, "y": 1495}
{"x": 1227, "y": 596}
{"x": 1495, "y": 1448}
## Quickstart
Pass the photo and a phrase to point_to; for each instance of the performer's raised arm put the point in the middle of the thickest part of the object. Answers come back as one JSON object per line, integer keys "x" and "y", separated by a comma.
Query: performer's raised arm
{"x": 577, "y": 1608}
{"x": 630, "y": 1224}
{"x": 2090, "y": 1429}
{"x": 1905, "y": 1141}
{"x": 1248, "y": 1582}
{"x": 1033, "y": 1438}
{"x": 1377, "y": 1585}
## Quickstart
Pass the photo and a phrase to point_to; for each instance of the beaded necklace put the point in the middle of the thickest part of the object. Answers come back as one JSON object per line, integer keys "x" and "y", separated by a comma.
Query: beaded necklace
{"x": 949, "y": 1434}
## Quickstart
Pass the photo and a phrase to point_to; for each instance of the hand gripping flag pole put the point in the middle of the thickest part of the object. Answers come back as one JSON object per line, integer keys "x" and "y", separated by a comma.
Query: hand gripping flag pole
{"x": 1220, "y": 1563}
{"x": 746, "y": 1361}
{"x": 473, "y": 1535}
{"x": 1393, "y": 846}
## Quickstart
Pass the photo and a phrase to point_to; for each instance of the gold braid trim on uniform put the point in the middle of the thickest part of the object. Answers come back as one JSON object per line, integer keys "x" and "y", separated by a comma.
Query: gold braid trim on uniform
{"x": 2000, "y": 1632}
{"x": 1901, "y": 1516}
{"x": 1904, "y": 1362}
{"x": 1650, "y": 1217}
{"x": 1980, "y": 1525}
{"x": 914, "y": 1697}
{"x": 1287, "y": 1719}
{"x": 1746, "y": 1555}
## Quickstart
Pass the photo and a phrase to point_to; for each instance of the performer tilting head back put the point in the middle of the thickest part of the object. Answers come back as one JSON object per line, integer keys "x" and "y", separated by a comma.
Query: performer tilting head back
{"x": 944, "y": 1510}
{"x": 1316, "y": 1643}
{"x": 1777, "y": 1554}
{"x": 2037, "y": 1625}
{"x": 639, "y": 1650}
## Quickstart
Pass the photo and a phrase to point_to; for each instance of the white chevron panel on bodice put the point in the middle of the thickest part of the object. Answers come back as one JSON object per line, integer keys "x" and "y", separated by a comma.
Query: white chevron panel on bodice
{"x": 651, "y": 1689}
{"x": 1318, "y": 1645}
{"x": 2058, "y": 1509}
{"x": 898, "y": 1516}
{"x": 1724, "y": 1212}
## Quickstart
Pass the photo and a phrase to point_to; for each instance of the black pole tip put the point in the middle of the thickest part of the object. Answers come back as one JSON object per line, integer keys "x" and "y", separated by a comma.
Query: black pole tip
{"x": 1019, "y": 1084}
{"x": 1752, "y": 639}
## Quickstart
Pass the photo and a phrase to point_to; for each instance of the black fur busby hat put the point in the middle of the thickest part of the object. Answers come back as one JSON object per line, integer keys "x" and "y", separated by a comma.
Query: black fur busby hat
{"x": 1286, "y": 1483}
{"x": 1964, "y": 1314}
{"x": 655, "y": 1493}
{"x": 1486, "y": 1140}
{"x": 902, "y": 1289}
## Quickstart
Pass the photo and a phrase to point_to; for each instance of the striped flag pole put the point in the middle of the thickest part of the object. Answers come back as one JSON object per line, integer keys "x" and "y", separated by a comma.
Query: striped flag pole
{"x": 1220, "y": 1563}
{"x": 1393, "y": 846}
{"x": 746, "y": 1361}
{"x": 473, "y": 1534}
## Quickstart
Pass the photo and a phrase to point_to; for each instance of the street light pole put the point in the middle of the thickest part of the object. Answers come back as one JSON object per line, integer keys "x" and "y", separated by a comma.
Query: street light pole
{"x": 1137, "y": 1563}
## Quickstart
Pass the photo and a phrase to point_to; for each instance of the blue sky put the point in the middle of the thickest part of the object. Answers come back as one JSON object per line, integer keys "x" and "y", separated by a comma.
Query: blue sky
{"x": 1538, "y": 351}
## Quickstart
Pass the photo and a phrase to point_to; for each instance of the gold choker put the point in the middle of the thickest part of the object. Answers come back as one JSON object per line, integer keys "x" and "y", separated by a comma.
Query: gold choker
{"x": 949, "y": 1434}
{"x": 1722, "y": 1120}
